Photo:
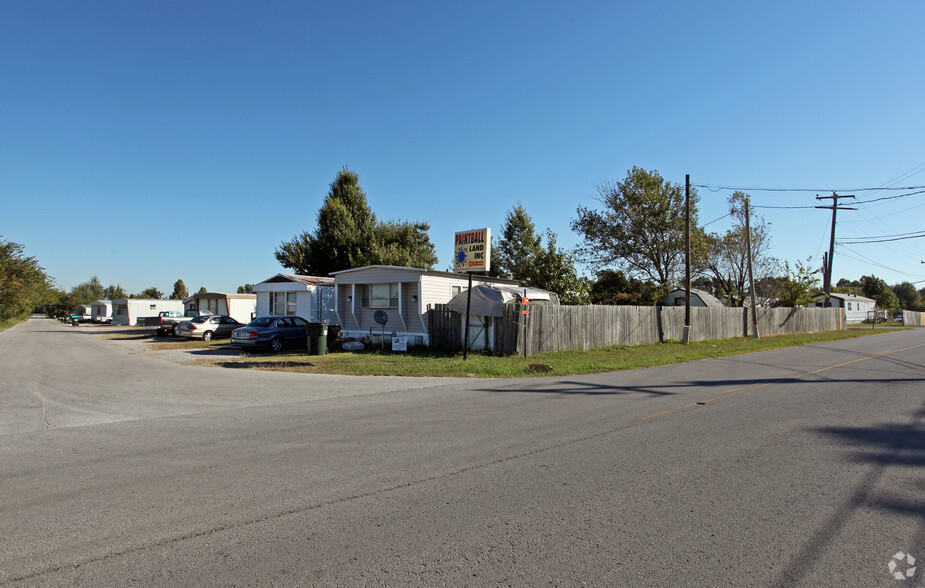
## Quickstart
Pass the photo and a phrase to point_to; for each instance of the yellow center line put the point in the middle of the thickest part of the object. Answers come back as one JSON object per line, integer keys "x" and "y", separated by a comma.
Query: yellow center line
{"x": 740, "y": 389}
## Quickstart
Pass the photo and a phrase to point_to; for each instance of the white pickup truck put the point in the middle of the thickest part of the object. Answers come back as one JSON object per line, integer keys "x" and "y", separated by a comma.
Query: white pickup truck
{"x": 167, "y": 320}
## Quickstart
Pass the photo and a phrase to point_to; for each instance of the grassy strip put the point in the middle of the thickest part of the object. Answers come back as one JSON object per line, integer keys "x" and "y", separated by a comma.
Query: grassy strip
{"x": 6, "y": 324}
{"x": 428, "y": 363}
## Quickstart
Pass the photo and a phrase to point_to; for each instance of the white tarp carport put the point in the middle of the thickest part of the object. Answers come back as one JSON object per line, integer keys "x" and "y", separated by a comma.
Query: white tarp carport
{"x": 488, "y": 302}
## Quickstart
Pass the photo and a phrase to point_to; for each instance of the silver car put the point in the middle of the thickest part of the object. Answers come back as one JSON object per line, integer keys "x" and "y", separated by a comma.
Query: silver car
{"x": 208, "y": 327}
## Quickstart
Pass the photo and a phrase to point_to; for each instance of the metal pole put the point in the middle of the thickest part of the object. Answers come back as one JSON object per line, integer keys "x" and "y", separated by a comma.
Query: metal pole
{"x": 468, "y": 306}
{"x": 686, "y": 335}
{"x": 524, "y": 318}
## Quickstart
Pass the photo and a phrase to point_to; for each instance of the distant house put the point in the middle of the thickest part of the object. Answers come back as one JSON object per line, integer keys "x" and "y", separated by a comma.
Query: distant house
{"x": 699, "y": 298}
{"x": 402, "y": 293}
{"x": 241, "y": 307}
{"x": 856, "y": 307}
{"x": 101, "y": 311}
{"x": 129, "y": 311}
{"x": 310, "y": 297}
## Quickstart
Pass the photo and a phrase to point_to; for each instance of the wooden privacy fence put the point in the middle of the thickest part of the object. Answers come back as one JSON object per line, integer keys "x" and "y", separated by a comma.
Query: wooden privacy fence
{"x": 561, "y": 328}
{"x": 915, "y": 319}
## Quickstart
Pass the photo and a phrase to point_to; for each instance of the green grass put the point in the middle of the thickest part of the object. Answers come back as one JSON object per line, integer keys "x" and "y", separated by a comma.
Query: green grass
{"x": 429, "y": 363}
{"x": 6, "y": 324}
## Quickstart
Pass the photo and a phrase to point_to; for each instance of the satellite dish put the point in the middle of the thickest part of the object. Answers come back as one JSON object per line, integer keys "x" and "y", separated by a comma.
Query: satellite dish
{"x": 381, "y": 317}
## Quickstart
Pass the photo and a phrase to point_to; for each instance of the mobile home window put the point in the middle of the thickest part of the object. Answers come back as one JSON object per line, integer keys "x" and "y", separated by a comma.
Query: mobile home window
{"x": 383, "y": 295}
{"x": 849, "y": 306}
{"x": 284, "y": 303}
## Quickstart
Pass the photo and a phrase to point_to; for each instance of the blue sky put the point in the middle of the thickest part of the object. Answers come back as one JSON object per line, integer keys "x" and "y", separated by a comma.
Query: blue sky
{"x": 146, "y": 141}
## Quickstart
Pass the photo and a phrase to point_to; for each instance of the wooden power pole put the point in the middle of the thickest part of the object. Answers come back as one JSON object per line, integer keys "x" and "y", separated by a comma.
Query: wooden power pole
{"x": 686, "y": 335}
{"x": 827, "y": 279}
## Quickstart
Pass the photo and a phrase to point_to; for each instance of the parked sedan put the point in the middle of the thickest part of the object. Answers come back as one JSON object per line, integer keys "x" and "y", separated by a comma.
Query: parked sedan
{"x": 207, "y": 327}
{"x": 272, "y": 332}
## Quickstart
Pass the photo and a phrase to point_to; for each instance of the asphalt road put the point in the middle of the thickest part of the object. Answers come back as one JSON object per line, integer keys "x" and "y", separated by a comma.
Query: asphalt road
{"x": 801, "y": 466}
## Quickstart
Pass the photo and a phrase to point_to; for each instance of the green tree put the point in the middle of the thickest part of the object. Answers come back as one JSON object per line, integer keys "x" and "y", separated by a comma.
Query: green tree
{"x": 615, "y": 288}
{"x": 151, "y": 292}
{"x": 798, "y": 284}
{"x": 202, "y": 290}
{"x": 521, "y": 254}
{"x": 246, "y": 289}
{"x": 179, "y": 291}
{"x": 403, "y": 244}
{"x": 887, "y": 300}
{"x": 909, "y": 298}
{"x": 640, "y": 229}
{"x": 348, "y": 235}
{"x": 872, "y": 286}
{"x": 727, "y": 254}
{"x": 87, "y": 292}
{"x": 554, "y": 270}
{"x": 847, "y": 286}
{"x": 519, "y": 246}
{"x": 114, "y": 292}
{"x": 24, "y": 285}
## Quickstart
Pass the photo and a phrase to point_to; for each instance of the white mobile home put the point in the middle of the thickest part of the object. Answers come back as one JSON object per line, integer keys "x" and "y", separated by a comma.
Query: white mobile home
{"x": 856, "y": 307}
{"x": 310, "y": 297}
{"x": 101, "y": 311}
{"x": 129, "y": 311}
{"x": 240, "y": 307}
{"x": 403, "y": 293}
{"x": 83, "y": 313}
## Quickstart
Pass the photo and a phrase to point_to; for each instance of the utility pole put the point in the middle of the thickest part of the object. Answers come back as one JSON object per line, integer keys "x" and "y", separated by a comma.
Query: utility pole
{"x": 827, "y": 280}
{"x": 751, "y": 278}
{"x": 686, "y": 334}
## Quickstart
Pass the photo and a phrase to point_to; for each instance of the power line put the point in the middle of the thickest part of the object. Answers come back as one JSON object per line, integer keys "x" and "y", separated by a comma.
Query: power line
{"x": 888, "y": 236}
{"x": 787, "y": 207}
{"x": 864, "y": 242}
{"x": 719, "y": 188}
{"x": 891, "y": 197}
{"x": 865, "y": 259}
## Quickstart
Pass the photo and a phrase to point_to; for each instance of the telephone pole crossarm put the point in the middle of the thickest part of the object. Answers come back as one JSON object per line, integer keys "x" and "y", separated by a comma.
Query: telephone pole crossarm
{"x": 827, "y": 282}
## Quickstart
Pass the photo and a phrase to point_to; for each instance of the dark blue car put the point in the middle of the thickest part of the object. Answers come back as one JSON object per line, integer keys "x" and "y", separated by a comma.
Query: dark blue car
{"x": 272, "y": 332}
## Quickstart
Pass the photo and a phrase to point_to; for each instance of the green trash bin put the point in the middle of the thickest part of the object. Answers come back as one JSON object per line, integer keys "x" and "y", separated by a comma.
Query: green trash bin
{"x": 317, "y": 338}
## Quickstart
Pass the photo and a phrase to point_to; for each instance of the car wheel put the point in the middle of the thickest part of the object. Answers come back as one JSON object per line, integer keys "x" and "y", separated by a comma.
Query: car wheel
{"x": 276, "y": 344}
{"x": 207, "y": 336}
{"x": 173, "y": 331}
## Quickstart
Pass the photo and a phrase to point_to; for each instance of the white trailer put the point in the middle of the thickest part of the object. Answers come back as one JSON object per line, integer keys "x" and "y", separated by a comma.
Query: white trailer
{"x": 132, "y": 311}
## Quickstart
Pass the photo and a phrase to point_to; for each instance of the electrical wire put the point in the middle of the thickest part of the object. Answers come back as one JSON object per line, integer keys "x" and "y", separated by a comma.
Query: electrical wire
{"x": 864, "y": 242}
{"x": 720, "y": 188}
{"x": 859, "y": 202}
{"x": 871, "y": 261}
{"x": 716, "y": 220}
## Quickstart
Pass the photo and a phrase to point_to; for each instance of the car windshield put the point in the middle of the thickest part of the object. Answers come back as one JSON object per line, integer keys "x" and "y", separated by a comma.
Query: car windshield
{"x": 263, "y": 321}
{"x": 200, "y": 319}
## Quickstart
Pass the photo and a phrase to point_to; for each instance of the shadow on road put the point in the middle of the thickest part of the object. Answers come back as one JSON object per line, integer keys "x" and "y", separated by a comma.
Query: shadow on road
{"x": 709, "y": 386}
{"x": 881, "y": 446}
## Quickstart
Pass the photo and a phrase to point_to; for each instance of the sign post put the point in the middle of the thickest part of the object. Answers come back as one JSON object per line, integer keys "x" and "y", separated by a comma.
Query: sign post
{"x": 471, "y": 253}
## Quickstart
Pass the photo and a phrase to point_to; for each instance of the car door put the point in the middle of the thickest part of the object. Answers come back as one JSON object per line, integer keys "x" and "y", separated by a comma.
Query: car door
{"x": 299, "y": 331}
{"x": 284, "y": 330}
{"x": 226, "y": 325}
